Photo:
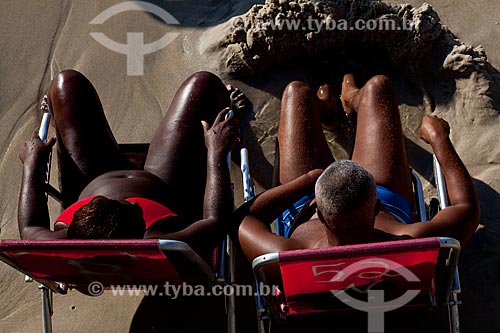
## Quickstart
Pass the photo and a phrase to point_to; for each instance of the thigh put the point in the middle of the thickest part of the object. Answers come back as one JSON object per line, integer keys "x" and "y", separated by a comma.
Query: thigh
{"x": 177, "y": 152}
{"x": 302, "y": 144}
{"x": 379, "y": 144}
{"x": 86, "y": 145}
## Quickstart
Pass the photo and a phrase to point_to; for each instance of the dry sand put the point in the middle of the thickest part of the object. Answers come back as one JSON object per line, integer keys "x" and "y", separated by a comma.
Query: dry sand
{"x": 439, "y": 67}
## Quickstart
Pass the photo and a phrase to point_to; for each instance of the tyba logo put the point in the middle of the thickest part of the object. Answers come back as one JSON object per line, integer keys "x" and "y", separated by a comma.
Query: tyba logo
{"x": 376, "y": 305}
{"x": 135, "y": 49}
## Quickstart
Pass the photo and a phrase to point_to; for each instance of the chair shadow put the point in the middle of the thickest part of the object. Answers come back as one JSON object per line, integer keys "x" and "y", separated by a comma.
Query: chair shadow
{"x": 183, "y": 314}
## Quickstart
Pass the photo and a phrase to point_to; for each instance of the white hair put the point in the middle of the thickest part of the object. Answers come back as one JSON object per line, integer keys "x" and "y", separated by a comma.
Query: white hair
{"x": 345, "y": 187}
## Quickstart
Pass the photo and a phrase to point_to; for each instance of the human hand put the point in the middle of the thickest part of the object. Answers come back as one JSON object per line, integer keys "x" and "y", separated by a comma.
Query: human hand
{"x": 35, "y": 151}
{"x": 434, "y": 128}
{"x": 221, "y": 137}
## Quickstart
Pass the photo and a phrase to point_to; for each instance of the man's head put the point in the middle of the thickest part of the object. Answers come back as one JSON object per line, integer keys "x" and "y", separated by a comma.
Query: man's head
{"x": 106, "y": 218}
{"x": 347, "y": 200}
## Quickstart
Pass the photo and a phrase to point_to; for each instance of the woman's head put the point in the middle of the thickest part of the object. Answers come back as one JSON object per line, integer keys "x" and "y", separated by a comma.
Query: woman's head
{"x": 106, "y": 218}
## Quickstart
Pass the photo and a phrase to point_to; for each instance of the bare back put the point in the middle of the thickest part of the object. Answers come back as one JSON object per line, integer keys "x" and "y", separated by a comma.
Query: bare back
{"x": 311, "y": 234}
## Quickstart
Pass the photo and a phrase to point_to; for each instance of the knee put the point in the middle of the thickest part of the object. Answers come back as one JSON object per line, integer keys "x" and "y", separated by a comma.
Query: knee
{"x": 297, "y": 89}
{"x": 67, "y": 79}
{"x": 379, "y": 84}
{"x": 207, "y": 87}
{"x": 298, "y": 101}
{"x": 204, "y": 79}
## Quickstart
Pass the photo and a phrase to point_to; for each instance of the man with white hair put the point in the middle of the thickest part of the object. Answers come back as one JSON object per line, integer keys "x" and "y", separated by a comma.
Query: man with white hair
{"x": 366, "y": 199}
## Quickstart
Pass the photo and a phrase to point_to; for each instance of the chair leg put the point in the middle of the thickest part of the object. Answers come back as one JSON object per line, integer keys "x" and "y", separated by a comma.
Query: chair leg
{"x": 46, "y": 309}
{"x": 231, "y": 313}
{"x": 264, "y": 325}
{"x": 453, "y": 314}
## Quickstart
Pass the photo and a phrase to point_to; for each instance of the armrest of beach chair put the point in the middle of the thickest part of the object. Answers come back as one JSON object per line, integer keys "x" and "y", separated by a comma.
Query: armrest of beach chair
{"x": 42, "y": 134}
{"x": 74, "y": 264}
{"x": 406, "y": 271}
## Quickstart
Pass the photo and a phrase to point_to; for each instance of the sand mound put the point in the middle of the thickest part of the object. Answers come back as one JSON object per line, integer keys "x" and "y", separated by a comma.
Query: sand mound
{"x": 280, "y": 30}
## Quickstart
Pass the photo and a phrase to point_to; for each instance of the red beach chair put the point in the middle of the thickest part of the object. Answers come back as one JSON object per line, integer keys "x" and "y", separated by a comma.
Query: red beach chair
{"x": 373, "y": 278}
{"x": 92, "y": 266}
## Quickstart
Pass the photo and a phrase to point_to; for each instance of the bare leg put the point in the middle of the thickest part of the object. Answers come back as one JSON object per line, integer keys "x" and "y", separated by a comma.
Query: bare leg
{"x": 86, "y": 145}
{"x": 177, "y": 153}
{"x": 302, "y": 145}
{"x": 379, "y": 145}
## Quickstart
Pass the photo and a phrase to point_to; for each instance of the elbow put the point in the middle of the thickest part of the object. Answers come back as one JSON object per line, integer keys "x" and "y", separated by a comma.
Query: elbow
{"x": 251, "y": 237}
{"x": 244, "y": 238}
{"x": 28, "y": 232}
{"x": 24, "y": 233}
{"x": 472, "y": 219}
{"x": 41, "y": 233}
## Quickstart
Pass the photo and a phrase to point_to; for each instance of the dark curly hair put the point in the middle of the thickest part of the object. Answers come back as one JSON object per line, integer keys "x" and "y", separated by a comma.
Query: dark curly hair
{"x": 105, "y": 218}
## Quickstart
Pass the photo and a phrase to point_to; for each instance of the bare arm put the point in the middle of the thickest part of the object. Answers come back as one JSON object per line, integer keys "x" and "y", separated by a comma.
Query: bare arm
{"x": 274, "y": 201}
{"x": 461, "y": 218}
{"x": 205, "y": 234}
{"x": 255, "y": 238}
{"x": 254, "y": 235}
{"x": 33, "y": 213}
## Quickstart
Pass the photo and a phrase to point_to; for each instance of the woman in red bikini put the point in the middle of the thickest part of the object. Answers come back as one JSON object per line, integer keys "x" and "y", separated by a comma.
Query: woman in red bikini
{"x": 182, "y": 193}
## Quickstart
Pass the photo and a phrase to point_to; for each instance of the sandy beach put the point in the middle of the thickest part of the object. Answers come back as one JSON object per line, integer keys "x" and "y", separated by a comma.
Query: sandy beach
{"x": 448, "y": 66}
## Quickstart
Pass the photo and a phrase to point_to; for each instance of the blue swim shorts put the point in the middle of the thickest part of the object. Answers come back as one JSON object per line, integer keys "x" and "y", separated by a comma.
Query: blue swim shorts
{"x": 395, "y": 204}
{"x": 284, "y": 223}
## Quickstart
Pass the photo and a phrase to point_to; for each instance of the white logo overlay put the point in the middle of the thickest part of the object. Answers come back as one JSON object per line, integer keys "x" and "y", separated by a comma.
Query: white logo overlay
{"x": 135, "y": 49}
{"x": 375, "y": 306}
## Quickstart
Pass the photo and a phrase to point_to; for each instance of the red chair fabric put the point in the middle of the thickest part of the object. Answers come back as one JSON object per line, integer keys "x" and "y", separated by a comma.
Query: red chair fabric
{"x": 76, "y": 263}
{"x": 312, "y": 277}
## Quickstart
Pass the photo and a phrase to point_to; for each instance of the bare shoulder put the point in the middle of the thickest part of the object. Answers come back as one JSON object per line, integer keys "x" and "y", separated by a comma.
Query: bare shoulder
{"x": 311, "y": 234}
{"x": 387, "y": 225}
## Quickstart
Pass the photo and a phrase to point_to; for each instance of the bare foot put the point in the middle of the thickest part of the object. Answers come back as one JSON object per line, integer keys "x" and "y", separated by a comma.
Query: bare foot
{"x": 239, "y": 102}
{"x": 349, "y": 95}
{"x": 328, "y": 110}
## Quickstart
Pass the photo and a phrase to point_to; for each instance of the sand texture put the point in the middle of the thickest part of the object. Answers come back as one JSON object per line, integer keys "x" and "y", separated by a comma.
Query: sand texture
{"x": 446, "y": 63}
